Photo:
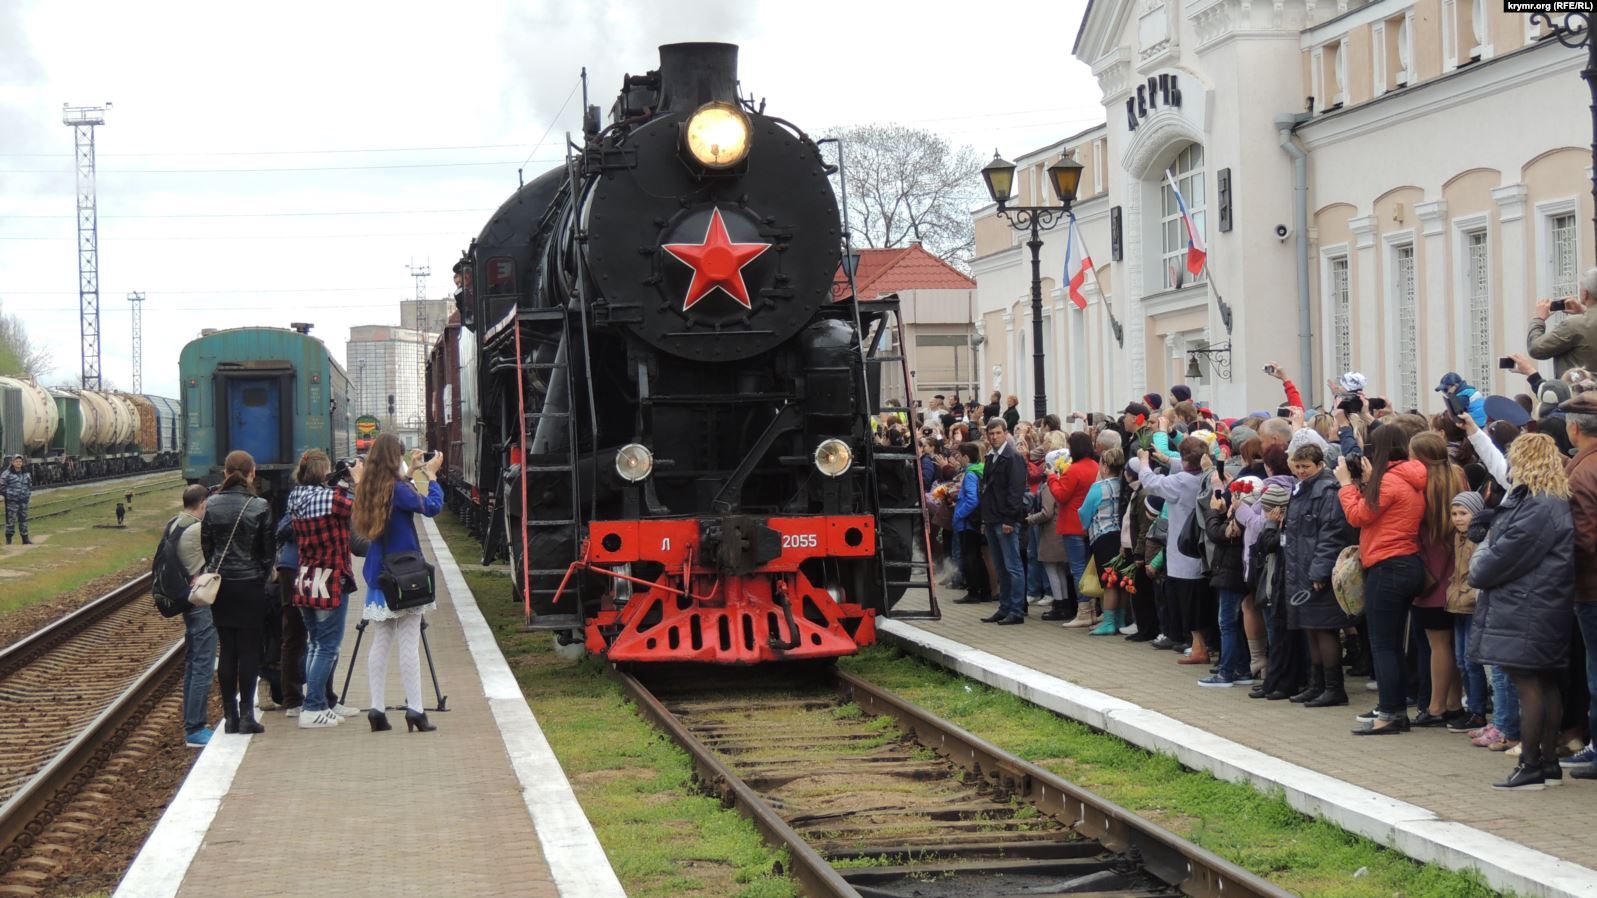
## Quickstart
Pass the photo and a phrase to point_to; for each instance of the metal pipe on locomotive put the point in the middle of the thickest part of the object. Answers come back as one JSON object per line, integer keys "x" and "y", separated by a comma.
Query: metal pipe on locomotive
{"x": 673, "y": 414}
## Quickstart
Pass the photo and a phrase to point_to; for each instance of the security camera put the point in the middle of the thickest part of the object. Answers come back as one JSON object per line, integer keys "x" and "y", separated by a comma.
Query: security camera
{"x": 1282, "y": 232}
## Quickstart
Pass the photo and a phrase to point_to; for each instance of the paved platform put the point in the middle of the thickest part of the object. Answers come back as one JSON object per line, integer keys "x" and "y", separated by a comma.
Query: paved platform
{"x": 480, "y": 807}
{"x": 1426, "y": 793}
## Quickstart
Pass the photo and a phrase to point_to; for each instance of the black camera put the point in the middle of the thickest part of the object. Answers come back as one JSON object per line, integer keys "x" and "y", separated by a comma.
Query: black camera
{"x": 1458, "y": 405}
{"x": 1558, "y": 305}
{"x": 1377, "y": 403}
{"x": 341, "y": 472}
{"x": 1355, "y": 465}
{"x": 1351, "y": 404}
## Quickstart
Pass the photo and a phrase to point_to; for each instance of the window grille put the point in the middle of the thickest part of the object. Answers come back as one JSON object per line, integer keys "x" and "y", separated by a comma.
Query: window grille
{"x": 1478, "y": 326}
{"x": 1341, "y": 316}
{"x": 1408, "y": 386}
{"x": 1563, "y": 234}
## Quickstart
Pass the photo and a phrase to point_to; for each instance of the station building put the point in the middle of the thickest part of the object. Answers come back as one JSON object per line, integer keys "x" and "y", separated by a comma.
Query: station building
{"x": 1448, "y": 184}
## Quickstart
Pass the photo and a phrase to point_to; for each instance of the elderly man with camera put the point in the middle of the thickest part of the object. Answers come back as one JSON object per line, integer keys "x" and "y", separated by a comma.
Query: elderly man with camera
{"x": 1573, "y": 343}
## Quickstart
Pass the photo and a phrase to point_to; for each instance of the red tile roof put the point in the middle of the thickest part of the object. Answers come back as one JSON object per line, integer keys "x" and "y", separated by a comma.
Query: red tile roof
{"x": 911, "y": 267}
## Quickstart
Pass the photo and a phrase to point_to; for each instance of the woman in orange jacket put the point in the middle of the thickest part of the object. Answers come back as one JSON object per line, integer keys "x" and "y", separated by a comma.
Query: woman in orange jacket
{"x": 1070, "y": 489}
{"x": 1387, "y": 507}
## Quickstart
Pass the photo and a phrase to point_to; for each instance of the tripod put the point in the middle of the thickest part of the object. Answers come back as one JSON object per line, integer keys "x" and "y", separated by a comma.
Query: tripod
{"x": 360, "y": 633}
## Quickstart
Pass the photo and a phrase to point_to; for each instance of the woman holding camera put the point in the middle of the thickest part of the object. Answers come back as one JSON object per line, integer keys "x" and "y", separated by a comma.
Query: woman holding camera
{"x": 386, "y": 503}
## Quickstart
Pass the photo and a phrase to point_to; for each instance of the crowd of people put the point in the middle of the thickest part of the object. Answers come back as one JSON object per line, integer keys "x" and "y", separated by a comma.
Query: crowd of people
{"x": 1448, "y": 555}
{"x": 279, "y": 610}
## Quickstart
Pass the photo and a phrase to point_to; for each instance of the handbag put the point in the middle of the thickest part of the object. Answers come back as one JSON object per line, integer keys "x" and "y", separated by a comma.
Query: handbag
{"x": 1090, "y": 586}
{"x": 405, "y": 578}
{"x": 207, "y": 584}
{"x": 1347, "y": 581}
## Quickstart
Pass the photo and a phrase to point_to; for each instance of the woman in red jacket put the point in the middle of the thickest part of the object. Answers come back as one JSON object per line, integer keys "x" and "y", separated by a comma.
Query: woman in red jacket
{"x": 1387, "y": 508}
{"x": 1069, "y": 489}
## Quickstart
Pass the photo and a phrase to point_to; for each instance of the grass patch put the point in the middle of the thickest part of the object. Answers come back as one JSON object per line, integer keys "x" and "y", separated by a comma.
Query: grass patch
{"x": 662, "y": 835}
{"x": 1313, "y": 857}
{"x": 69, "y": 550}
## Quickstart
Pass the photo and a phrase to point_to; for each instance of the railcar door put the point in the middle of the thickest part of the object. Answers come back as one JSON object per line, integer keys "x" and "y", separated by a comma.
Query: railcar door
{"x": 254, "y": 408}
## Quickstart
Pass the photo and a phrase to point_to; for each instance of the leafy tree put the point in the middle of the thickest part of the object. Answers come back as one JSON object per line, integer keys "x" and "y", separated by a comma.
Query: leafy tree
{"x": 907, "y": 185}
{"x": 18, "y": 356}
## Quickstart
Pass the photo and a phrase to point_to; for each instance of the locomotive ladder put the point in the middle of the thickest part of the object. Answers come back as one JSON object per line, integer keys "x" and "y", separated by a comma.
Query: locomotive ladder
{"x": 531, "y": 528}
{"x": 907, "y": 574}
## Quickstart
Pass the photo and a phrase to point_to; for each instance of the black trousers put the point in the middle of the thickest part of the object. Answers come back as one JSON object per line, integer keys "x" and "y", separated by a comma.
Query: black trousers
{"x": 1144, "y": 608}
{"x": 238, "y": 667}
{"x": 974, "y": 569}
{"x": 1288, "y": 669}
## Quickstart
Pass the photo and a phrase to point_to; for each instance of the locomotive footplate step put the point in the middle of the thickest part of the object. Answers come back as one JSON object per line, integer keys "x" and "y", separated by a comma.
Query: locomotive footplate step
{"x": 556, "y": 622}
{"x": 474, "y": 803}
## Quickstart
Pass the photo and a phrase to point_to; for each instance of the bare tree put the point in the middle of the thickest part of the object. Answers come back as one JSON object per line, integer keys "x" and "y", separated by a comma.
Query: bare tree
{"x": 907, "y": 185}
{"x": 18, "y": 356}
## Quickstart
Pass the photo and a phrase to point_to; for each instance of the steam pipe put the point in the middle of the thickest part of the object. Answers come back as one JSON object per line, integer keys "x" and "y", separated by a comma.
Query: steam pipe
{"x": 1285, "y": 125}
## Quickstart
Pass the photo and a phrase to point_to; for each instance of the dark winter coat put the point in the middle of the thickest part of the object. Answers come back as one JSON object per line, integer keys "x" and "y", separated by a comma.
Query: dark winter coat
{"x": 1266, "y": 568}
{"x": 1525, "y": 572}
{"x": 1314, "y": 534}
{"x": 1225, "y": 562}
{"x": 1003, "y": 488}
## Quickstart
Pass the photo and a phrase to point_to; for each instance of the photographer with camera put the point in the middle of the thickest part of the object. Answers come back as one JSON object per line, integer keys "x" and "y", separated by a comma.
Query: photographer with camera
{"x": 319, "y": 508}
{"x": 1573, "y": 343}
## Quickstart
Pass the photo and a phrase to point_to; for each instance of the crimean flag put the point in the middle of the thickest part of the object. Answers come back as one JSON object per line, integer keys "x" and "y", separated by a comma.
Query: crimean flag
{"x": 1197, "y": 256}
{"x": 1078, "y": 264}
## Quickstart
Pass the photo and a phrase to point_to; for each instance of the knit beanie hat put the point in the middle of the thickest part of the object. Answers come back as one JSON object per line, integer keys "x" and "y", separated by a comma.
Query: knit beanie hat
{"x": 1471, "y": 501}
{"x": 1275, "y": 496}
{"x": 1241, "y": 434}
{"x": 1152, "y": 400}
{"x": 1181, "y": 392}
{"x": 1304, "y": 436}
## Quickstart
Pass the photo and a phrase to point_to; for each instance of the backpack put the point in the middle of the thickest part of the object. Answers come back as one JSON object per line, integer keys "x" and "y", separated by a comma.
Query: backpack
{"x": 1194, "y": 538}
{"x": 169, "y": 582}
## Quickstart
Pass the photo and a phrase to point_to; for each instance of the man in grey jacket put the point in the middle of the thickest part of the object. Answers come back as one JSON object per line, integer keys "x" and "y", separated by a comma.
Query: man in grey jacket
{"x": 199, "y": 633}
{"x": 1573, "y": 343}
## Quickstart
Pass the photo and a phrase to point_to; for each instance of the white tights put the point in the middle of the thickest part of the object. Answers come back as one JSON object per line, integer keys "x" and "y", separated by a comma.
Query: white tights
{"x": 406, "y": 630}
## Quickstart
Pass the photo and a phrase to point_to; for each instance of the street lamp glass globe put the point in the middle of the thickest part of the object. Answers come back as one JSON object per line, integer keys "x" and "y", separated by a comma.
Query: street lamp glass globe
{"x": 1000, "y": 178}
{"x": 1066, "y": 178}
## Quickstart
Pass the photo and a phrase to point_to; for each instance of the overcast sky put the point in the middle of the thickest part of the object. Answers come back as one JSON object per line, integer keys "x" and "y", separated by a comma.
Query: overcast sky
{"x": 272, "y": 163}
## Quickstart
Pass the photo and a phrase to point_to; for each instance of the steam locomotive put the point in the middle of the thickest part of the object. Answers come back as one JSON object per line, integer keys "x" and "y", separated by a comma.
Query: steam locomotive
{"x": 668, "y": 411}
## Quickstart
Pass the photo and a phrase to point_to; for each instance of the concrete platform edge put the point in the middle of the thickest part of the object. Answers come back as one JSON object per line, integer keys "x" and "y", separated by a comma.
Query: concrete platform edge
{"x": 1413, "y": 830}
{"x": 571, "y": 848}
{"x": 164, "y": 859}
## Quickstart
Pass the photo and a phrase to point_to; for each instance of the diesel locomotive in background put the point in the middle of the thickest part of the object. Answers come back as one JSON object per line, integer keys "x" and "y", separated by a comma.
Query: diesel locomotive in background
{"x": 652, "y": 402}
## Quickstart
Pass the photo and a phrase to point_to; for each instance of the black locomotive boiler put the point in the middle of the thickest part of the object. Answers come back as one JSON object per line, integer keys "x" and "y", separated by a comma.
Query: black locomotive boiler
{"x": 673, "y": 425}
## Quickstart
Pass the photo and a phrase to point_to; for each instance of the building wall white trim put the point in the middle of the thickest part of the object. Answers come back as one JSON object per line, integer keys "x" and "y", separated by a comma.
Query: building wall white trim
{"x": 1368, "y": 14}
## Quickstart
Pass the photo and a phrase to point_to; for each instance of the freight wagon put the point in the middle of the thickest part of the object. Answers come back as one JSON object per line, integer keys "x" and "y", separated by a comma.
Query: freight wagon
{"x": 70, "y": 435}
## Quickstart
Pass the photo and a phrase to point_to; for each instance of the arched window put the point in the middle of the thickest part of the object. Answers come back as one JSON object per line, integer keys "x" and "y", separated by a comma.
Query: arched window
{"x": 1187, "y": 168}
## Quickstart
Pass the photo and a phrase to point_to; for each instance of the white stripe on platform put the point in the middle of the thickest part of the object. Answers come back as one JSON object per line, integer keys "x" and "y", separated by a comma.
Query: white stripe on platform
{"x": 570, "y": 847}
{"x": 164, "y": 859}
{"x": 1417, "y": 832}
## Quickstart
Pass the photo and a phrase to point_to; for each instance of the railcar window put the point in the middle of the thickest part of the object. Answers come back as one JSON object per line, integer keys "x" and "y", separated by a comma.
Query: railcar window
{"x": 255, "y": 396}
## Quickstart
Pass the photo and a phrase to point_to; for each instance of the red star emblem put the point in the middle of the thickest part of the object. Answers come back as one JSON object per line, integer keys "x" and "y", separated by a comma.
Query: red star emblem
{"x": 716, "y": 262}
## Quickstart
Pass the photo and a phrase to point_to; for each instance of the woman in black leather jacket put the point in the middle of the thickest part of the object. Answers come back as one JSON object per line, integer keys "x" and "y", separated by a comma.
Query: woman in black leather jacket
{"x": 237, "y": 537}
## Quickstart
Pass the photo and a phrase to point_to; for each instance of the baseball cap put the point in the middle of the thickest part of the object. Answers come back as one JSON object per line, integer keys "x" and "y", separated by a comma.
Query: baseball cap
{"x": 1450, "y": 379}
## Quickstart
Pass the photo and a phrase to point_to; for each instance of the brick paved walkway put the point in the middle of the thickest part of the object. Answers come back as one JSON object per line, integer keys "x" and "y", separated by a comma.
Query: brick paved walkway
{"x": 1434, "y": 769}
{"x": 349, "y": 812}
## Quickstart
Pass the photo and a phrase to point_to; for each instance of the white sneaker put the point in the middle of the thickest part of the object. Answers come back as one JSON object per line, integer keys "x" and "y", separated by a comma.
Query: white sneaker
{"x": 344, "y": 710}
{"x": 319, "y": 719}
{"x": 1128, "y": 630}
{"x": 293, "y": 712}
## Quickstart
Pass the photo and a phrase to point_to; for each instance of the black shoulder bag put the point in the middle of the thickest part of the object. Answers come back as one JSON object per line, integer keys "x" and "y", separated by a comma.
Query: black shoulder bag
{"x": 406, "y": 578}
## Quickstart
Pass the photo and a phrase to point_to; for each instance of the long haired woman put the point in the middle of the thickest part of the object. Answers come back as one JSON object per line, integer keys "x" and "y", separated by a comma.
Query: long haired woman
{"x": 238, "y": 542}
{"x": 386, "y": 503}
{"x": 1443, "y": 481}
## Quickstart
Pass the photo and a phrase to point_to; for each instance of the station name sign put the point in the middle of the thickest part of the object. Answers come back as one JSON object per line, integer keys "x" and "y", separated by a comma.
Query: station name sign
{"x": 1164, "y": 88}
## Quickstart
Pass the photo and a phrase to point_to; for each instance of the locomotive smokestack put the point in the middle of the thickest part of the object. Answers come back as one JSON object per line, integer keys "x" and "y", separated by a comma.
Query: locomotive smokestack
{"x": 694, "y": 74}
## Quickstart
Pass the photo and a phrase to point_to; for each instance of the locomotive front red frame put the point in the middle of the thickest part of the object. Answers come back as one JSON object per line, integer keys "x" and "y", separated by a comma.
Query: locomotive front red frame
{"x": 696, "y": 611}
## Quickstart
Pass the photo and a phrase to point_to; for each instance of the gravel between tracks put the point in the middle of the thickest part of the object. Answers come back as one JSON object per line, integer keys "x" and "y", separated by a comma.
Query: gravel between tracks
{"x": 25, "y": 621}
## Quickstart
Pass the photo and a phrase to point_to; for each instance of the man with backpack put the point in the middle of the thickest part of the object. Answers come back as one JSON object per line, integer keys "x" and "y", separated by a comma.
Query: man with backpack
{"x": 178, "y": 560}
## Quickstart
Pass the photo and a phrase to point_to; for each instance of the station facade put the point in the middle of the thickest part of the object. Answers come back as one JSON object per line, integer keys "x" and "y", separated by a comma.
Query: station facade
{"x": 1447, "y": 175}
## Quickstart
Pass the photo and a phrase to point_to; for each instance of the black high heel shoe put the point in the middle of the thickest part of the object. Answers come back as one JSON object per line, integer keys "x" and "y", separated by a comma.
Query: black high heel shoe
{"x": 378, "y": 720}
{"x": 417, "y": 720}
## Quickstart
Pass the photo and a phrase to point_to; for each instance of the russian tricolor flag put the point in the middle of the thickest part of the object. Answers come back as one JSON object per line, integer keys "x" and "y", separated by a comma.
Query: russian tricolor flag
{"x": 1197, "y": 256}
{"x": 1078, "y": 264}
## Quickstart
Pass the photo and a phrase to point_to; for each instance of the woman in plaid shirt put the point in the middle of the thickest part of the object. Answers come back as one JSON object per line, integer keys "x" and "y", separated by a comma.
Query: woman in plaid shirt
{"x": 321, "y": 516}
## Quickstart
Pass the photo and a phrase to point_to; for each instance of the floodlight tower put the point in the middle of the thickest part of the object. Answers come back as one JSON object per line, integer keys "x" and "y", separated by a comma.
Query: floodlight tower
{"x": 83, "y": 120}
{"x": 136, "y": 300}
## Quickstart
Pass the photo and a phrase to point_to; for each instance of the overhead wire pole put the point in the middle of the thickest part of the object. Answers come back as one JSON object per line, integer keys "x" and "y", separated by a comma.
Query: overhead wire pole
{"x": 83, "y": 120}
{"x": 136, "y": 300}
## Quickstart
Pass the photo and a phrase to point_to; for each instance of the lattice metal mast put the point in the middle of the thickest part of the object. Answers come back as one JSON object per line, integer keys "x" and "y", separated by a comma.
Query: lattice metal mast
{"x": 83, "y": 120}
{"x": 136, "y": 300}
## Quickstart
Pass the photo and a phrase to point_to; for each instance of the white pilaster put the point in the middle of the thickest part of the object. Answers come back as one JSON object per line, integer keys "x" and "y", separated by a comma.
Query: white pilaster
{"x": 1367, "y": 297}
{"x": 1436, "y": 319}
{"x": 1509, "y": 318}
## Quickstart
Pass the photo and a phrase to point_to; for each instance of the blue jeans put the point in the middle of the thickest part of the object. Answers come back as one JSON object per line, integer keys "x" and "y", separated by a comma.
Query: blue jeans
{"x": 1036, "y": 576}
{"x": 1389, "y": 590}
{"x": 199, "y": 665}
{"x": 1586, "y": 616}
{"x": 1005, "y": 549}
{"x": 1076, "y": 557}
{"x": 1233, "y": 645}
{"x": 1474, "y": 674}
{"x": 324, "y": 633}
{"x": 1505, "y": 704}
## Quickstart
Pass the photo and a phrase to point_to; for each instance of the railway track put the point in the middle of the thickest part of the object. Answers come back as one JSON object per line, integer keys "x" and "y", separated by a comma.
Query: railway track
{"x": 103, "y": 478}
{"x": 51, "y": 506}
{"x": 70, "y": 694}
{"x": 876, "y": 798}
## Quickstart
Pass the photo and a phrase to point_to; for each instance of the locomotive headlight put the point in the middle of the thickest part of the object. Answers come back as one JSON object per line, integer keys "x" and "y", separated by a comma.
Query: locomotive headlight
{"x": 718, "y": 135}
{"x": 833, "y": 458}
{"x": 634, "y": 462}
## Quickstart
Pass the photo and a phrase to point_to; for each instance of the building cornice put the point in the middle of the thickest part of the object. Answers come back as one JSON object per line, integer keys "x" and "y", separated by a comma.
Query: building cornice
{"x": 1510, "y": 200}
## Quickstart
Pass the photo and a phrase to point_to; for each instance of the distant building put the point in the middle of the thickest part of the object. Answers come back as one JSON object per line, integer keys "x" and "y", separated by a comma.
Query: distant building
{"x": 938, "y": 304}
{"x": 387, "y": 370}
{"x": 428, "y": 315}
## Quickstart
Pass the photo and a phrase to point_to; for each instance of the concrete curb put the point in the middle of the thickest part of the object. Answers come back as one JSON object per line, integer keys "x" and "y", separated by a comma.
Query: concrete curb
{"x": 1411, "y": 829}
{"x": 577, "y": 862}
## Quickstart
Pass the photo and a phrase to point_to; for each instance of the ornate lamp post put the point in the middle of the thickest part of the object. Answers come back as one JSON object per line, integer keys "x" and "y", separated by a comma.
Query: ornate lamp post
{"x": 1065, "y": 176}
{"x": 1574, "y": 32}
